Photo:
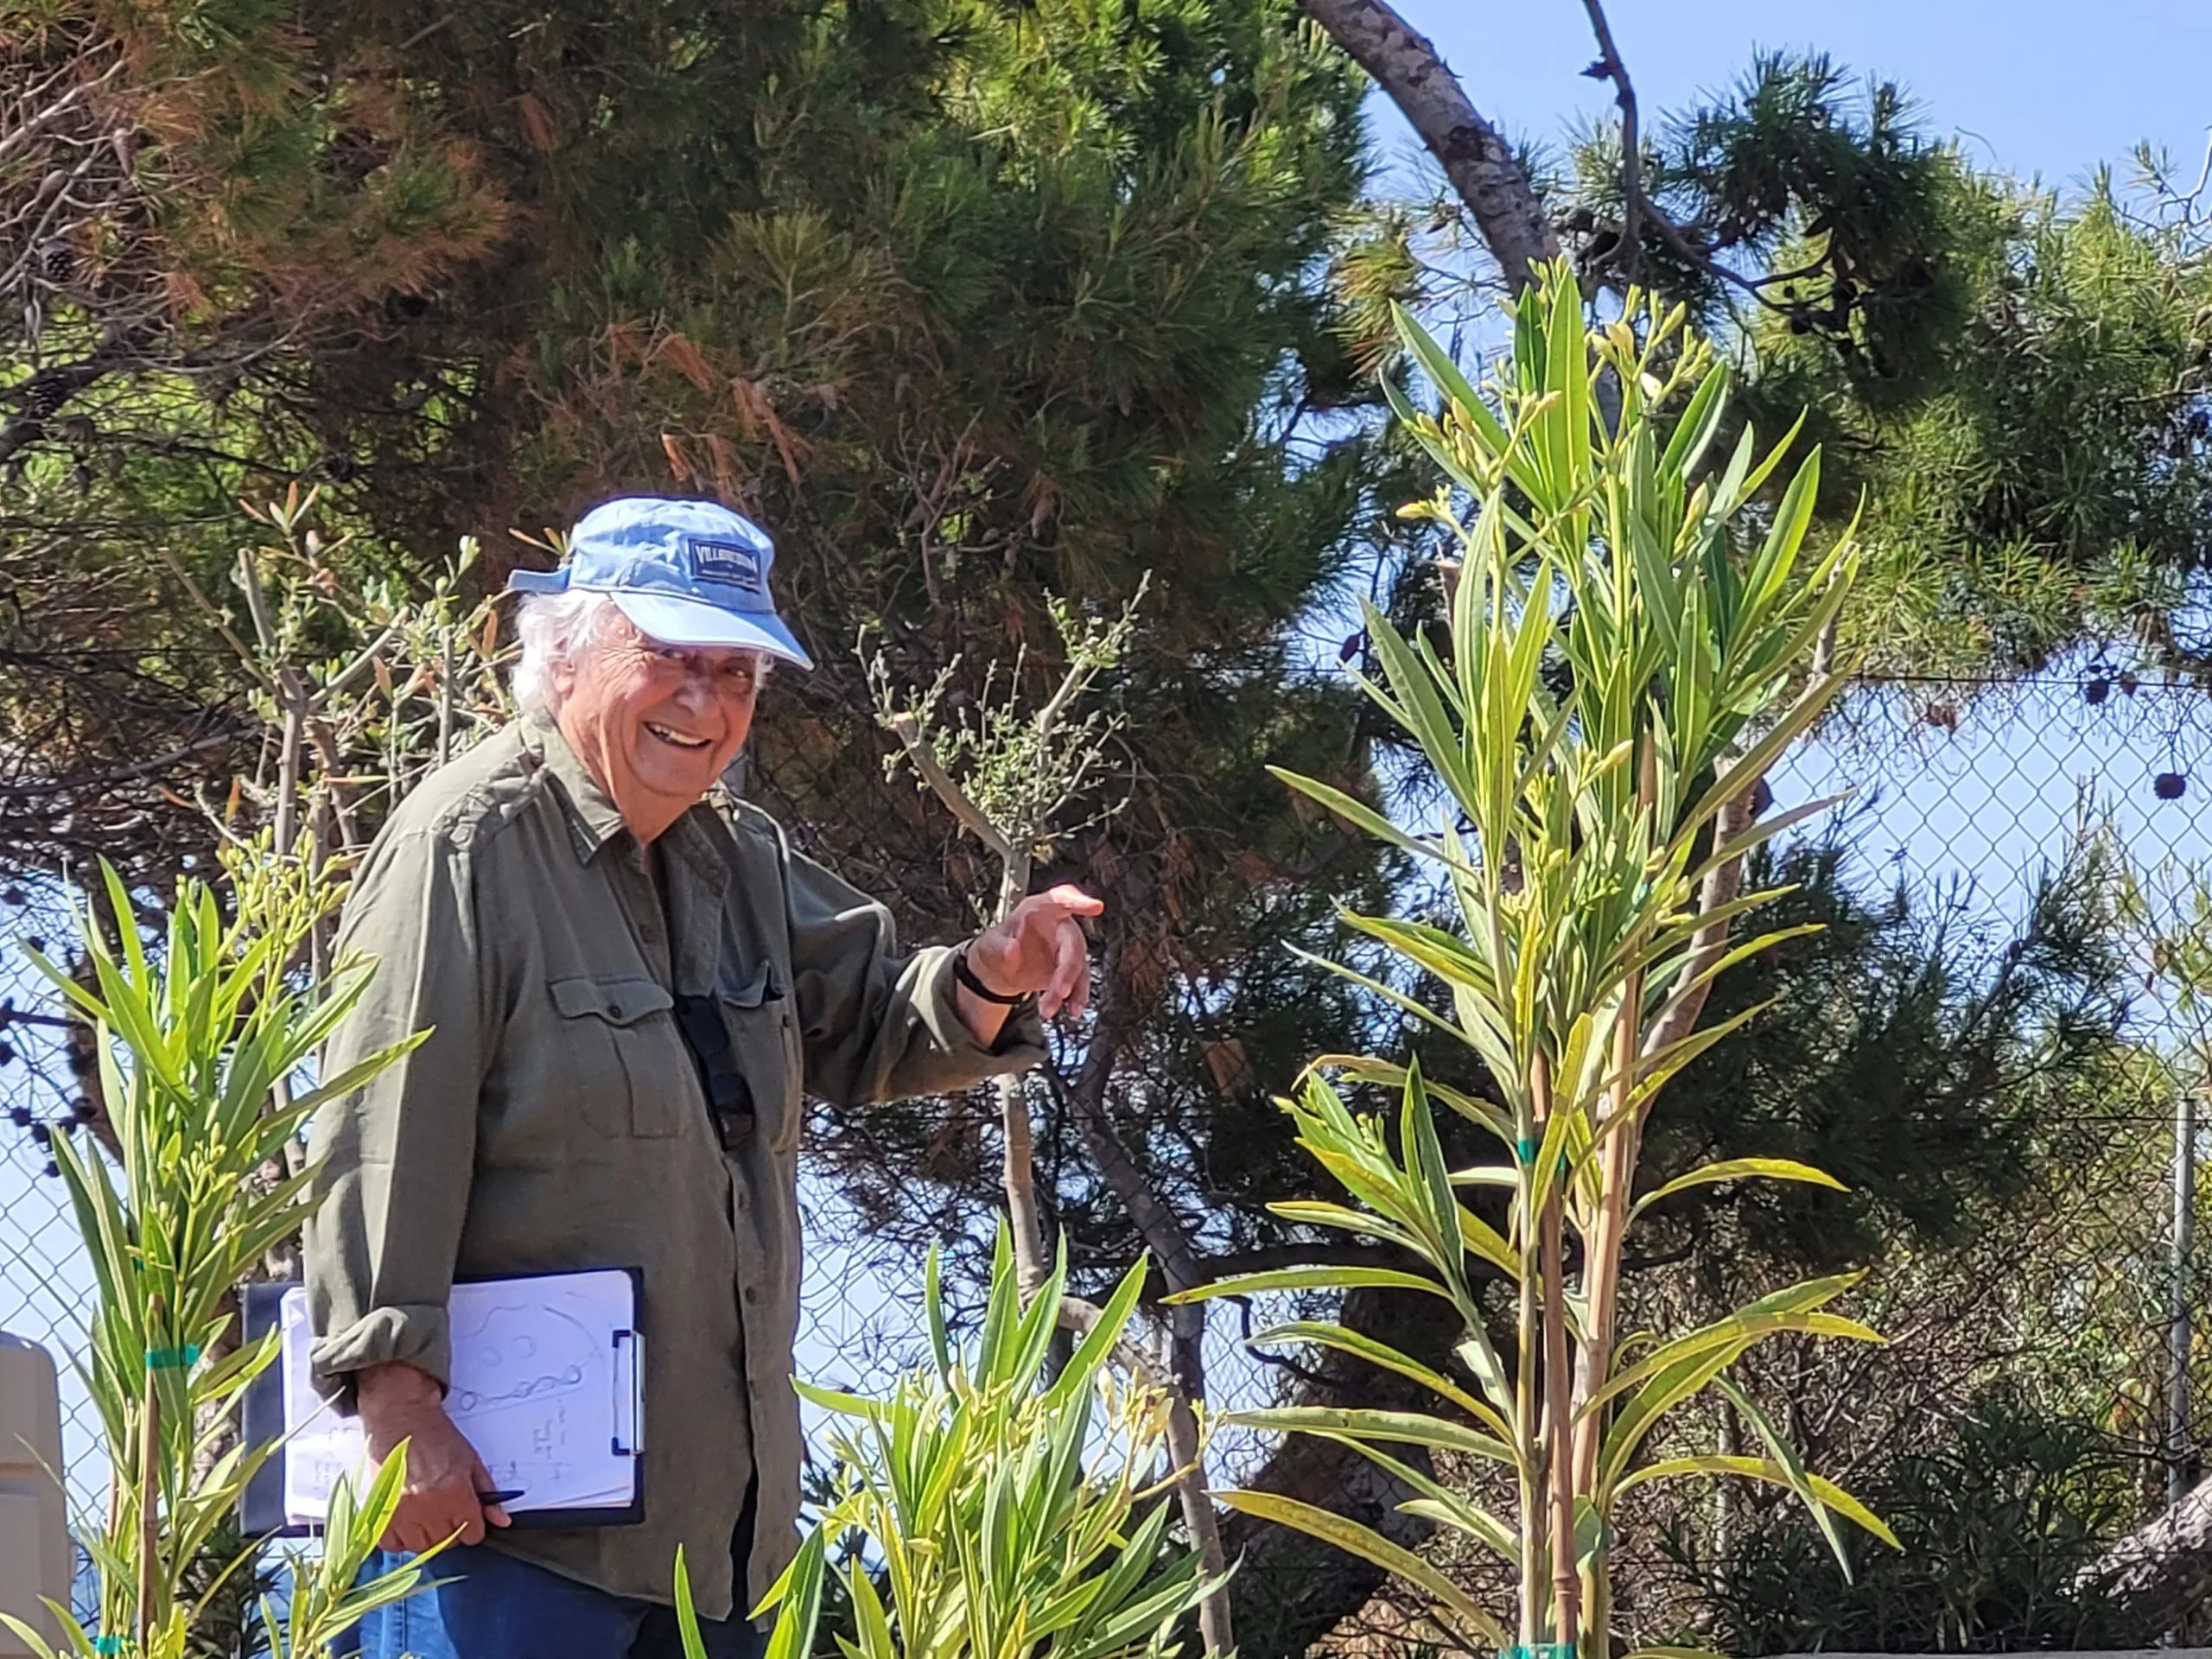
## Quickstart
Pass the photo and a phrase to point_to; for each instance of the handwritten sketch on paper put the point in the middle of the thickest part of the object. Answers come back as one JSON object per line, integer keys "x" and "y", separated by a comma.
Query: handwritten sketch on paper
{"x": 544, "y": 1386}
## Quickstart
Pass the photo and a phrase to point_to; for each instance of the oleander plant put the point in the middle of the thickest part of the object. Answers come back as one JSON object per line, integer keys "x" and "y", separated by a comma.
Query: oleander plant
{"x": 201, "y": 1044}
{"x": 1637, "y": 632}
{"x": 992, "y": 1507}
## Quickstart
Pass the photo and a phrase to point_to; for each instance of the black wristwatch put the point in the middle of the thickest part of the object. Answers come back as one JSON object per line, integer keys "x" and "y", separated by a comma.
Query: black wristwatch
{"x": 966, "y": 975}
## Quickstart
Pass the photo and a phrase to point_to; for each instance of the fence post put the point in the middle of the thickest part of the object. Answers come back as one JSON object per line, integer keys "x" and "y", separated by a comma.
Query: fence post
{"x": 34, "y": 1553}
{"x": 2178, "y": 1341}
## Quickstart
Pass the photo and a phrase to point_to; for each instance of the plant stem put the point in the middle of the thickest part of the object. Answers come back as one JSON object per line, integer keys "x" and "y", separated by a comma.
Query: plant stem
{"x": 287, "y": 768}
{"x": 1019, "y": 1175}
{"x": 150, "y": 1492}
{"x": 445, "y": 692}
{"x": 1528, "y": 1429}
{"x": 1617, "y": 1159}
{"x": 1567, "y": 1587}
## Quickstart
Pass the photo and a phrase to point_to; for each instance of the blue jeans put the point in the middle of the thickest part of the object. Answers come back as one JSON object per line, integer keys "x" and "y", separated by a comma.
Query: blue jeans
{"x": 502, "y": 1608}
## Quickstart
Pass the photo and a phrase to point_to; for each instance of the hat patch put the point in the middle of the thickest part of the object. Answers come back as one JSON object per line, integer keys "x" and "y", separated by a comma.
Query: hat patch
{"x": 727, "y": 561}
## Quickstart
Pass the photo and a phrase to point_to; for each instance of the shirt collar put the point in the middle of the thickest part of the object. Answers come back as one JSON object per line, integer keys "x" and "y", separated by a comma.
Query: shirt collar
{"x": 593, "y": 818}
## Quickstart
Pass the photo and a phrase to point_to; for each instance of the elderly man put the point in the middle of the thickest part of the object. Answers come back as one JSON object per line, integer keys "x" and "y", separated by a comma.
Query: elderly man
{"x": 627, "y": 988}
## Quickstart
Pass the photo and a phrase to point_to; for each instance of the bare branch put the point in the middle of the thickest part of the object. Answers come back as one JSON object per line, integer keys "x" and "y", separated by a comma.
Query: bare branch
{"x": 908, "y": 731}
{"x": 149, "y": 768}
{"x": 1636, "y": 204}
{"x": 1609, "y": 58}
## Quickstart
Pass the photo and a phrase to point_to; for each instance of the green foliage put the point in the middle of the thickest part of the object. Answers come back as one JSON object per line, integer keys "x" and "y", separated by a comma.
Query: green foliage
{"x": 186, "y": 322}
{"x": 972, "y": 306}
{"x": 2017, "y": 384}
{"x": 989, "y": 1509}
{"x": 2001, "y": 1526}
{"x": 1863, "y": 237}
{"x": 211, "y": 1179}
{"x": 1931, "y": 1066}
{"x": 2055, "y": 482}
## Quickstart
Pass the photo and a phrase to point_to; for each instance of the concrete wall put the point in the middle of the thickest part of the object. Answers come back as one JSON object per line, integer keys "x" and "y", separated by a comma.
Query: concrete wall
{"x": 34, "y": 1553}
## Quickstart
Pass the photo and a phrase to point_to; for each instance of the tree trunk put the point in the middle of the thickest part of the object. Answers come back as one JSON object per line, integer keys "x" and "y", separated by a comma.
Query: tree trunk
{"x": 1290, "y": 1590}
{"x": 1483, "y": 168}
{"x": 2165, "y": 1565}
{"x": 1170, "y": 1242}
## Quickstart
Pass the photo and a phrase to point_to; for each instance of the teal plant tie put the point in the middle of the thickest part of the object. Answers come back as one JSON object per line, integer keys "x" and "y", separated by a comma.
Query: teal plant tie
{"x": 108, "y": 1645}
{"x": 1542, "y": 1650}
{"x": 173, "y": 1359}
{"x": 1525, "y": 1150}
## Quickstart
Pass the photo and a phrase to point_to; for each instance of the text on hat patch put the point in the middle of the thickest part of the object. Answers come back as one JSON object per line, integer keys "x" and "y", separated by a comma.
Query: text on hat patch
{"x": 724, "y": 562}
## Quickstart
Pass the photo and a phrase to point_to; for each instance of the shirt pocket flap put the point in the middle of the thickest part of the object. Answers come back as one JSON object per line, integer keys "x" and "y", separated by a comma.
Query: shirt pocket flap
{"x": 621, "y": 1001}
{"x": 743, "y": 990}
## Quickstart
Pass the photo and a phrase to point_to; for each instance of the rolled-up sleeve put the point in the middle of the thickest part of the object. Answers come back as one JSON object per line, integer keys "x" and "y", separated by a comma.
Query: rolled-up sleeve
{"x": 397, "y": 1155}
{"x": 878, "y": 1025}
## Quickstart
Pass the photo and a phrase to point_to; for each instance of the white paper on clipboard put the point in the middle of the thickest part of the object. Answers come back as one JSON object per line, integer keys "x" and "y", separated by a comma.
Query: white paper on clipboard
{"x": 547, "y": 1386}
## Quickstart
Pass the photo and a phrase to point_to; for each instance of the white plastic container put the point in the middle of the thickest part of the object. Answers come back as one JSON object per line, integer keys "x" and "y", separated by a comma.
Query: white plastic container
{"x": 35, "y": 1554}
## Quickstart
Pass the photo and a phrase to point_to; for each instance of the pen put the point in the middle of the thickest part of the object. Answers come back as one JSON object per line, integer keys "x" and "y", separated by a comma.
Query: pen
{"x": 501, "y": 1497}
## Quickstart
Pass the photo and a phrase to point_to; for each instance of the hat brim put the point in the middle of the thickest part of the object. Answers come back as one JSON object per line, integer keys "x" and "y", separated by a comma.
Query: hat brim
{"x": 678, "y": 621}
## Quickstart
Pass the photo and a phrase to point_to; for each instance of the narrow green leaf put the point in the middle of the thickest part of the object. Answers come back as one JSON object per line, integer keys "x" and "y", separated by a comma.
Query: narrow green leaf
{"x": 1738, "y": 1169}
{"x": 1098, "y": 1344}
{"x": 1436, "y": 364}
{"x": 1403, "y": 1427}
{"x": 1358, "y": 1343}
{"x": 800, "y": 1609}
{"x": 1370, "y": 1545}
{"x": 1327, "y": 1278}
{"x": 686, "y": 1615}
{"x": 1364, "y": 817}
{"x": 1764, "y": 1469}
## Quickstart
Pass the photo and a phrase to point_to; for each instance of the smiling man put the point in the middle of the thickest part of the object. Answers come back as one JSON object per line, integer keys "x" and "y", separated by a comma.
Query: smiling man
{"x": 628, "y": 988}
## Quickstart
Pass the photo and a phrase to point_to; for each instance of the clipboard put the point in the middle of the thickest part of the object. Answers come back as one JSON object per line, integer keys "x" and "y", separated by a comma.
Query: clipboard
{"x": 548, "y": 1385}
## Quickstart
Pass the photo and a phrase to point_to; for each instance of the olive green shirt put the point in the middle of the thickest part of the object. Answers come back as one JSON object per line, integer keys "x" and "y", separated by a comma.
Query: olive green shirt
{"x": 553, "y": 1118}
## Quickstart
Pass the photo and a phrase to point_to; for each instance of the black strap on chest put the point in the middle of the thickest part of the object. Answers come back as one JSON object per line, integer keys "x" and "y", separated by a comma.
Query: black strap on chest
{"x": 699, "y": 1019}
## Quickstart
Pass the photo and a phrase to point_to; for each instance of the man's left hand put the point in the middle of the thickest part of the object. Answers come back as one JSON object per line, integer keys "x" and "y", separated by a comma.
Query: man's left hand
{"x": 1041, "y": 948}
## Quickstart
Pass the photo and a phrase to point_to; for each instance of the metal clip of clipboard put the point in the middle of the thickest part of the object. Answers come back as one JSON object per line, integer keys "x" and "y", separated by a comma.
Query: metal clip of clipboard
{"x": 627, "y": 1377}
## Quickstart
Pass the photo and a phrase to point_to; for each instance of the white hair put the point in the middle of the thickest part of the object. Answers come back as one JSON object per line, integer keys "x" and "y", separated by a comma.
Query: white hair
{"x": 554, "y": 628}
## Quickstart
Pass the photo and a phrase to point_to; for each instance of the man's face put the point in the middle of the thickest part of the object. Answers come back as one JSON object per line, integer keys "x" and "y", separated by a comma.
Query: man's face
{"x": 655, "y": 724}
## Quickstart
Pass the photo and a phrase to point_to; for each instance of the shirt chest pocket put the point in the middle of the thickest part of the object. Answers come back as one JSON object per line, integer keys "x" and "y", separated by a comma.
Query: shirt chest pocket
{"x": 621, "y": 1055}
{"x": 764, "y": 1041}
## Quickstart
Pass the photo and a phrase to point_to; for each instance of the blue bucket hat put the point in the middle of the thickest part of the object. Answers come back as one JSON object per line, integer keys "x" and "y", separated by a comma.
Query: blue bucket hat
{"x": 688, "y": 573}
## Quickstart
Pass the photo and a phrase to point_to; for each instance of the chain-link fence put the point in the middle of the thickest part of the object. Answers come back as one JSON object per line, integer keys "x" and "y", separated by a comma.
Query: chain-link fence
{"x": 860, "y": 1322}
{"x": 1964, "y": 795}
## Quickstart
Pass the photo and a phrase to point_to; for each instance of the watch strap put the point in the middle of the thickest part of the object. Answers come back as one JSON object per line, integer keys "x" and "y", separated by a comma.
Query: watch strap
{"x": 966, "y": 975}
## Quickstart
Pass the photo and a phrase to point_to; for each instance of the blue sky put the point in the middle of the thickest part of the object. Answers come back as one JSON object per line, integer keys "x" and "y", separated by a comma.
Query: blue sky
{"x": 2032, "y": 87}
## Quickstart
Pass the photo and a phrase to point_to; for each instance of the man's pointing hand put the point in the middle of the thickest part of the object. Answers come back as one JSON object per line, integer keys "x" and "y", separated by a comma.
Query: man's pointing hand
{"x": 1041, "y": 948}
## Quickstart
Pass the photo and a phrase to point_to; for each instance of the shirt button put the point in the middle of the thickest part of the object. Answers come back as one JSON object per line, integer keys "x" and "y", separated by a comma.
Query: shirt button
{"x": 752, "y": 1295}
